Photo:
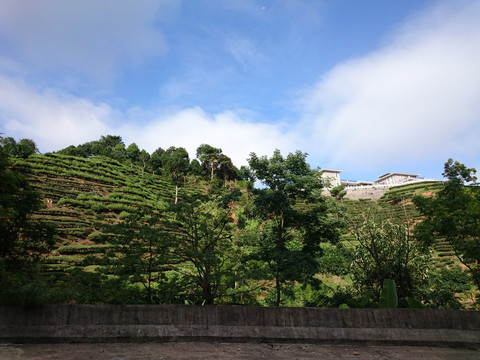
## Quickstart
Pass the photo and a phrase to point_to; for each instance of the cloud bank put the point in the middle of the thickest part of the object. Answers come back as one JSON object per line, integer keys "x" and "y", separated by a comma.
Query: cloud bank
{"x": 92, "y": 37}
{"x": 415, "y": 98}
{"x": 56, "y": 120}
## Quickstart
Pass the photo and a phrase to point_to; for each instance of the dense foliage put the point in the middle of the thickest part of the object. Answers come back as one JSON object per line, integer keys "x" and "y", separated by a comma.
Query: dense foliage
{"x": 454, "y": 215}
{"x": 289, "y": 242}
{"x": 23, "y": 239}
{"x": 103, "y": 222}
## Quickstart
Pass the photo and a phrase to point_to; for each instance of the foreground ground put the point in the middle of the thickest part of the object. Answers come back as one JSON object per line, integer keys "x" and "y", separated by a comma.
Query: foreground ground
{"x": 227, "y": 351}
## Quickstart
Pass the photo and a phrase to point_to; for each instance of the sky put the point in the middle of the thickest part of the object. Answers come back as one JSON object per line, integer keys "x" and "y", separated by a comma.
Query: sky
{"x": 367, "y": 87}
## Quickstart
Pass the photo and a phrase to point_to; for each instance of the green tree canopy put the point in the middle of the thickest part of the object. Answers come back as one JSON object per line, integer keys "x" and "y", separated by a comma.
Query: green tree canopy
{"x": 156, "y": 160}
{"x": 23, "y": 149}
{"x": 133, "y": 153}
{"x": 214, "y": 161}
{"x": 454, "y": 215}
{"x": 108, "y": 146}
{"x": 295, "y": 214}
{"x": 385, "y": 249}
{"x": 201, "y": 229}
{"x": 140, "y": 254}
{"x": 176, "y": 163}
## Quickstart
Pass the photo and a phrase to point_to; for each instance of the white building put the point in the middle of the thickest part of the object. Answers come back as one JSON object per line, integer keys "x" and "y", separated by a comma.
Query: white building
{"x": 348, "y": 183}
{"x": 331, "y": 178}
{"x": 396, "y": 178}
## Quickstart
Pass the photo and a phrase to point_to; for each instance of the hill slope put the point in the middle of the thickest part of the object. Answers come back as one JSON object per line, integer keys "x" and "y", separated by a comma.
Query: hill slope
{"x": 82, "y": 194}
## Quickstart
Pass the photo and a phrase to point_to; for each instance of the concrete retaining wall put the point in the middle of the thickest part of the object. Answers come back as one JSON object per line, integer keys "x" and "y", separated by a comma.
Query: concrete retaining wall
{"x": 372, "y": 193}
{"x": 122, "y": 323}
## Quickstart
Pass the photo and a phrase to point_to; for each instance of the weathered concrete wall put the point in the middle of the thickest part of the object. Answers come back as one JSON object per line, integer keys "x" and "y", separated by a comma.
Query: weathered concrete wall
{"x": 372, "y": 193}
{"x": 92, "y": 323}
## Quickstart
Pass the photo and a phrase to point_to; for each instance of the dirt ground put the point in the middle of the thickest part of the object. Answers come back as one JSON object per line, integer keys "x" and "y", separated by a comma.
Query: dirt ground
{"x": 227, "y": 351}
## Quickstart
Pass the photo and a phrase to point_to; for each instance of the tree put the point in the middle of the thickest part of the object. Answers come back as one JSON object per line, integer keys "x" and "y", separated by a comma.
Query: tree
{"x": 213, "y": 160}
{"x": 156, "y": 160}
{"x": 338, "y": 192}
{"x": 110, "y": 146}
{"x": 9, "y": 145}
{"x": 195, "y": 168}
{"x": 175, "y": 163}
{"x": 23, "y": 239}
{"x": 144, "y": 157}
{"x": 454, "y": 215}
{"x": 23, "y": 149}
{"x": 110, "y": 141}
{"x": 139, "y": 253}
{"x": 118, "y": 152}
{"x": 133, "y": 153}
{"x": 296, "y": 217}
{"x": 26, "y": 147}
{"x": 105, "y": 145}
{"x": 244, "y": 173}
{"x": 202, "y": 231}
{"x": 386, "y": 249}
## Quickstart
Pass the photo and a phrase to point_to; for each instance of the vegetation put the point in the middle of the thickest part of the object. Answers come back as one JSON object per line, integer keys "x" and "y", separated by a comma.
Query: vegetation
{"x": 103, "y": 222}
{"x": 384, "y": 248}
{"x": 23, "y": 239}
{"x": 454, "y": 215}
{"x": 289, "y": 241}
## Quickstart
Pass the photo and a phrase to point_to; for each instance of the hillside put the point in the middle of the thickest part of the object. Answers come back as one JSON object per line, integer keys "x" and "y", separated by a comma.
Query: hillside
{"x": 81, "y": 195}
{"x": 397, "y": 202}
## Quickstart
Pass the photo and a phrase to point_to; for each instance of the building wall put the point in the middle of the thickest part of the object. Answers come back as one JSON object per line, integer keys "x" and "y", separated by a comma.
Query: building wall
{"x": 333, "y": 177}
{"x": 367, "y": 192}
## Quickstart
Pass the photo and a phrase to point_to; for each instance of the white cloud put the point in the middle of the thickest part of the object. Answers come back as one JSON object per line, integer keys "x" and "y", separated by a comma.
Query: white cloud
{"x": 55, "y": 120}
{"x": 52, "y": 119}
{"x": 189, "y": 128}
{"x": 416, "y": 98}
{"x": 90, "y": 36}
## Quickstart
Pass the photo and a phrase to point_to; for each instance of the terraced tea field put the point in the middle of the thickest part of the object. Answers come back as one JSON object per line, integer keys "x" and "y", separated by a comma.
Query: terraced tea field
{"x": 82, "y": 194}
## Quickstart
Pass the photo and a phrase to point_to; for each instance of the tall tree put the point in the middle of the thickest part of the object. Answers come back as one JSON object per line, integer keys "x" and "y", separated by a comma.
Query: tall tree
{"x": 195, "y": 168}
{"x": 110, "y": 141}
{"x": 454, "y": 215}
{"x": 176, "y": 163}
{"x": 202, "y": 231}
{"x": 118, "y": 152}
{"x": 144, "y": 158}
{"x": 133, "y": 153}
{"x": 156, "y": 160}
{"x": 296, "y": 216}
{"x": 214, "y": 161}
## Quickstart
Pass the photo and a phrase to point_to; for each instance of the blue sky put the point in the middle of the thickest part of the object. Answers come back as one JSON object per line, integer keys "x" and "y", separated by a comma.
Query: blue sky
{"x": 367, "y": 87}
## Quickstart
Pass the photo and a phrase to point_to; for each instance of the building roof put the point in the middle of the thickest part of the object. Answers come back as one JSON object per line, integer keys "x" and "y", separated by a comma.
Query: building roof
{"x": 395, "y": 173}
{"x": 331, "y": 170}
